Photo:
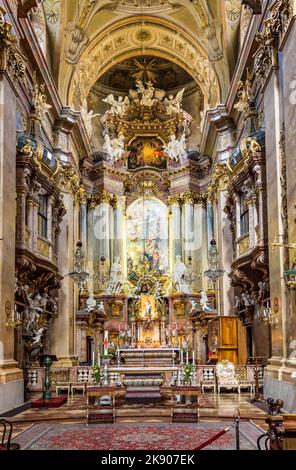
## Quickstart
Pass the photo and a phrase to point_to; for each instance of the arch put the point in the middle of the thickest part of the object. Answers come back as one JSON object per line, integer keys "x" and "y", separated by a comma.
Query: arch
{"x": 135, "y": 36}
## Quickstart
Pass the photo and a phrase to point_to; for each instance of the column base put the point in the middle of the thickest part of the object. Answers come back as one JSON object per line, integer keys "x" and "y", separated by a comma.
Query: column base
{"x": 10, "y": 371}
{"x": 11, "y": 386}
{"x": 278, "y": 383}
{"x": 65, "y": 361}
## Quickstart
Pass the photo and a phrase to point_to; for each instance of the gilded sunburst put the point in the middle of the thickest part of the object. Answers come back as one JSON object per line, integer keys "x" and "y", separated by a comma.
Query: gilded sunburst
{"x": 145, "y": 70}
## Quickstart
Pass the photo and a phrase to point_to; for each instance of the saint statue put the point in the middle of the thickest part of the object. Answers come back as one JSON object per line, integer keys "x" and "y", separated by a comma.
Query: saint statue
{"x": 148, "y": 310}
{"x": 179, "y": 277}
{"x": 116, "y": 279}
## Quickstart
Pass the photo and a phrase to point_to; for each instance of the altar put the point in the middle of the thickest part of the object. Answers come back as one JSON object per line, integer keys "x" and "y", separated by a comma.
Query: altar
{"x": 148, "y": 357}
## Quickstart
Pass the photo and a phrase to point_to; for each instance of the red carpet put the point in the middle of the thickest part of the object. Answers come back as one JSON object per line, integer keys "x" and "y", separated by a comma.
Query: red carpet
{"x": 147, "y": 436}
{"x": 55, "y": 402}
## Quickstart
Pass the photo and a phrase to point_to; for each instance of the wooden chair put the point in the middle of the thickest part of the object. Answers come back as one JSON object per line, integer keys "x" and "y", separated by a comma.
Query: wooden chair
{"x": 188, "y": 416}
{"x": 6, "y": 443}
{"x": 96, "y": 413}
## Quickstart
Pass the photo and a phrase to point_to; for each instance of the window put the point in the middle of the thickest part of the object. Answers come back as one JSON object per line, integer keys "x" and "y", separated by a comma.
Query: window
{"x": 42, "y": 216}
{"x": 244, "y": 216}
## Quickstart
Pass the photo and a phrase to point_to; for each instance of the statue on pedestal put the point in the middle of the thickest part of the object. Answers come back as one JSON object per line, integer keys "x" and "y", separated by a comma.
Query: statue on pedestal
{"x": 116, "y": 279}
{"x": 179, "y": 277}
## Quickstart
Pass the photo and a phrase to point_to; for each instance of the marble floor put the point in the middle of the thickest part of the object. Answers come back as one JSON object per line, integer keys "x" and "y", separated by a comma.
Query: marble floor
{"x": 221, "y": 408}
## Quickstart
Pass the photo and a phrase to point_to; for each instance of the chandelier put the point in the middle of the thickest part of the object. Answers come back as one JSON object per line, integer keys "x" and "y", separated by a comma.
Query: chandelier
{"x": 79, "y": 275}
{"x": 214, "y": 271}
{"x": 14, "y": 320}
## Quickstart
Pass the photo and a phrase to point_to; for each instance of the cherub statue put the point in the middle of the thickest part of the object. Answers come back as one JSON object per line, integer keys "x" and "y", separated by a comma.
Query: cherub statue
{"x": 37, "y": 336}
{"x": 118, "y": 107}
{"x": 173, "y": 103}
{"x": 204, "y": 302}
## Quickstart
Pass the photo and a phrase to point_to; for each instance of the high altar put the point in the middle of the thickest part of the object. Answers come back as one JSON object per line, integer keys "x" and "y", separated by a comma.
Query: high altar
{"x": 145, "y": 231}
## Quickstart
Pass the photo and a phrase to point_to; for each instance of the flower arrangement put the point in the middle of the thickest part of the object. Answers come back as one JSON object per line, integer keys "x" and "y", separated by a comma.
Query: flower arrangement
{"x": 96, "y": 372}
{"x": 188, "y": 373}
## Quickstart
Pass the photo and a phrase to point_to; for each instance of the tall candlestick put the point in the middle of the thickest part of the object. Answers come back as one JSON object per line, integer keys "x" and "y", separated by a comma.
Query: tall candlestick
{"x": 193, "y": 357}
{"x": 187, "y": 356}
{"x": 93, "y": 357}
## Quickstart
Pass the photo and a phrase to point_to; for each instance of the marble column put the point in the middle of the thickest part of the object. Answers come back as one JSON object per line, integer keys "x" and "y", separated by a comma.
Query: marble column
{"x": 175, "y": 235}
{"x": 11, "y": 377}
{"x": 224, "y": 244}
{"x": 201, "y": 240}
{"x": 272, "y": 112}
{"x": 118, "y": 229}
{"x": 63, "y": 338}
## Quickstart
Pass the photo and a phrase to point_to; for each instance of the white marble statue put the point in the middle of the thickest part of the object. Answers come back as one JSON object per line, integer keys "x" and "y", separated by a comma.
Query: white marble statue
{"x": 101, "y": 308}
{"x": 146, "y": 96}
{"x": 173, "y": 103}
{"x": 116, "y": 279}
{"x": 114, "y": 147}
{"x": 179, "y": 277}
{"x": 37, "y": 336}
{"x": 87, "y": 117}
{"x": 91, "y": 303}
{"x": 204, "y": 302}
{"x": 176, "y": 149}
{"x": 119, "y": 106}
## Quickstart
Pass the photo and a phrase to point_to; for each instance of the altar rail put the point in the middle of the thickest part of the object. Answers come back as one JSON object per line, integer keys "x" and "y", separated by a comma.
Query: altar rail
{"x": 34, "y": 376}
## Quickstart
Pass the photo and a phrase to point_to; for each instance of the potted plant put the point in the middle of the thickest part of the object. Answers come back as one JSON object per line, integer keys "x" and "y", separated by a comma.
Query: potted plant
{"x": 96, "y": 372}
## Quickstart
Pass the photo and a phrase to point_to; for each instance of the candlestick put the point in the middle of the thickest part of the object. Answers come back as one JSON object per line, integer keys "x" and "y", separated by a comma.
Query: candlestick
{"x": 187, "y": 356}
{"x": 193, "y": 357}
{"x": 93, "y": 357}
{"x": 99, "y": 359}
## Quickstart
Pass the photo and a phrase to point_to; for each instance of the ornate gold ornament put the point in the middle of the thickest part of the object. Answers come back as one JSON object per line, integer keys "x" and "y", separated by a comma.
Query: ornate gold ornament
{"x": 145, "y": 70}
{"x": 11, "y": 58}
{"x": 219, "y": 180}
{"x": 43, "y": 247}
{"x": 274, "y": 28}
{"x": 244, "y": 95}
{"x": 243, "y": 245}
{"x": 39, "y": 99}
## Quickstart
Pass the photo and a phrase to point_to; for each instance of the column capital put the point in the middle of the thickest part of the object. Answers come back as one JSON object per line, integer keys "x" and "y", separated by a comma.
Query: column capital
{"x": 11, "y": 59}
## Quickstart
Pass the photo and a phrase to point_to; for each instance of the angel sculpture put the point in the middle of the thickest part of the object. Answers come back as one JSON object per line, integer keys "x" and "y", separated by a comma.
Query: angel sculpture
{"x": 114, "y": 147}
{"x": 87, "y": 117}
{"x": 118, "y": 107}
{"x": 204, "y": 302}
{"x": 176, "y": 149}
{"x": 173, "y": 103}
{"x": 37, "y": 336}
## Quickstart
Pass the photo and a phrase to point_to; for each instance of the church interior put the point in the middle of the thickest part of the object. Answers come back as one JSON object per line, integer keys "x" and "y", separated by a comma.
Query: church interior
{"x": 147, "y": 224}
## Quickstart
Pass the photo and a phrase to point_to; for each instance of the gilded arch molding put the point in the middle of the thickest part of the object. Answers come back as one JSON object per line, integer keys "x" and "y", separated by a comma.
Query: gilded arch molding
{"x": 130, "y": 37}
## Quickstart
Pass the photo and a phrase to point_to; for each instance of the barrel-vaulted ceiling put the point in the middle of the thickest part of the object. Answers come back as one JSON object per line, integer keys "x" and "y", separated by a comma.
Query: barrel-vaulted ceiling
{"x": 88, "y": 37}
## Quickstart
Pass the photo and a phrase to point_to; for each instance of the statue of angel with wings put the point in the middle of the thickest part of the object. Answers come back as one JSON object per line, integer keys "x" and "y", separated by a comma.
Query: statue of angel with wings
{"x": 118, "y": 107}
{"x": 114, "y": 147}
{"x": 173, "y": 103}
